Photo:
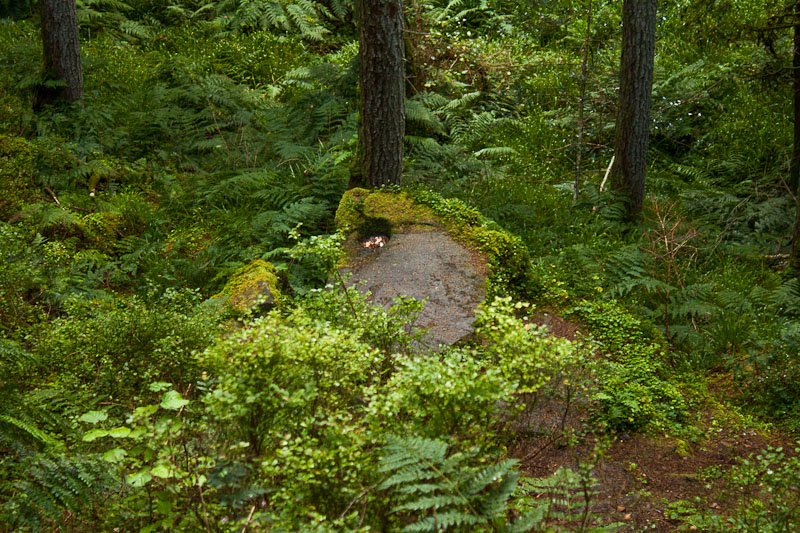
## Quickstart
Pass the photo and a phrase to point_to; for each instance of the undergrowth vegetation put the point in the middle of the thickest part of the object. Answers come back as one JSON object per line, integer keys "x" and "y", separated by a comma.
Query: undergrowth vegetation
{"x": 216, "y": 134}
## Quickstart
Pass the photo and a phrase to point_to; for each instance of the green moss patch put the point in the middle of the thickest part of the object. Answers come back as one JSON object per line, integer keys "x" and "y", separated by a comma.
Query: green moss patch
{"x": 253, "y": 285}
{"x": 365, "y": 212}
{"x": 362, "y": 212}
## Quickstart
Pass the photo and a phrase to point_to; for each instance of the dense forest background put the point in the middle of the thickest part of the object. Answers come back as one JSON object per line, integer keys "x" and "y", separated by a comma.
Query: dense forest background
{"x": 211, "y": 135}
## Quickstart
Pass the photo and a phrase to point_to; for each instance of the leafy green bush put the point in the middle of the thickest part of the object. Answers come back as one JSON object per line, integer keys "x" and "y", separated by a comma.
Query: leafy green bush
{"x": 526, "y": 357}
{"x": 447, "y": 394}
{"x": 143, "y": 339}
{"x": 389, "y": 330}
{"x": 634, "y": 391}
{"x": 292, "y": 391}
{"x": 158, "y": 454}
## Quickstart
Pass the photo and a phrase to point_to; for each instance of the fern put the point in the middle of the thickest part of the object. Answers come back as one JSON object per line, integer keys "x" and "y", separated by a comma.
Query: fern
{"x": 786, "y": 298}
{"x": 439, "y": 490}
{"x": 495, "y": 152}
{"x": 562, "y": 503}
{"x": 307, "y": 18}
{"x": 420, "y": 116}
{"x": 51, "y": 487}
{"x": 628, "y": 271}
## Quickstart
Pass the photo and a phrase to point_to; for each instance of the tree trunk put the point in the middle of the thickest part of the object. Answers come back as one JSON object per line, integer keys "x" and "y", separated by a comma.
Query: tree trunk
{"x": 62, "y": 53}
{"x": 794, "y": 256}
{"x": 581, "y": 101}
{"x": 635, "y": 91}
{"x": 794, "y": 179}
{"x": 382, "y": 95}
{"x": 794, "y": 168}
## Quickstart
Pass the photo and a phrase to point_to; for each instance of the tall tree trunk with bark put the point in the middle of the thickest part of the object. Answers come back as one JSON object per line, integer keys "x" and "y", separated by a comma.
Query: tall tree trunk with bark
{"x": 635, "y": 95}
{"x": 382, "y": 94}
{"x": 794, "y": 167}
{"x": 62, "y": 53}
{"x": 794, "y": 171}
{"x": 581, "y": 101}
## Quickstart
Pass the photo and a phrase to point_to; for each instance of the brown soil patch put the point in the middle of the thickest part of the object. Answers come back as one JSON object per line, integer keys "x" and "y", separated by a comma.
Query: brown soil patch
{"x": 557, "y": 325}
{"x": 640, "y": 475}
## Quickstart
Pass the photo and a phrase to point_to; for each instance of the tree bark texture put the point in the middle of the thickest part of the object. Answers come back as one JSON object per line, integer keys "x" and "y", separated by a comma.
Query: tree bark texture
{"x": 794, "y": 170}
{"x": 635, "y": 95}
{"x": 62, "y": 52}
{"x": 794, "y": 256}
{"x": 382, "y": 94}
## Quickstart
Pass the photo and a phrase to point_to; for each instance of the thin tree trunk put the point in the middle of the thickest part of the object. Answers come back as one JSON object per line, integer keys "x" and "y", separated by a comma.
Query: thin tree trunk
{"x": 794, "y": 171}
{"x": 382, "y": 95}
{"x": 584, "y": 68}
{"x": 635, "y": 94}
{"x": 61, "y": 51}
{"x": 794, "y": 258}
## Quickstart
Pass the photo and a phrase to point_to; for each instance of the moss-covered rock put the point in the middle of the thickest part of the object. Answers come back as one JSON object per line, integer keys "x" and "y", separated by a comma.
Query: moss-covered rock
{"x": 365, "y": 212}
{"x": 362, "y": 212}
{"x": 253, "y": 285}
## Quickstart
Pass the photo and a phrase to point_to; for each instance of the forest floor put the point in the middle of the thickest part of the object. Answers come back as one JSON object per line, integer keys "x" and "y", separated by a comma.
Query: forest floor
{"x": 646, "y": 481}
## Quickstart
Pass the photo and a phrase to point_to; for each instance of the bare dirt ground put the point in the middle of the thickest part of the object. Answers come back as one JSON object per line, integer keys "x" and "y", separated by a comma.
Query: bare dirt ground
{"x": 639, "y": 475}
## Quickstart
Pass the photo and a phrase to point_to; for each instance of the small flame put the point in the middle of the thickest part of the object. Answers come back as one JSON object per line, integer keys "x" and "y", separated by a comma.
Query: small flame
{"x": 374, "y": 242}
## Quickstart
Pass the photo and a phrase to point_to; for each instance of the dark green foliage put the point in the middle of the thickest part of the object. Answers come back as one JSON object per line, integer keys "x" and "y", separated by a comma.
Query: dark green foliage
{"x": 634, "y": 390}
{"x": 215, "y": 134}
{"x": 146, "y": 339}
{"x": 305, "y": 17}
{"x": 51, "y": 486}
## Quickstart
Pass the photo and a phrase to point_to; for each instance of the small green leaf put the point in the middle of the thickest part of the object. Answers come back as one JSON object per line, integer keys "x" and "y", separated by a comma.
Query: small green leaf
{"x": 139, "y": 479}
{"x": 114, "y": 455}
{"x": 94, "y": 435}
{"x": 144, "y": 411}
{"x": 162, "y": 471}
{"x": 93, "y": 417}
{"x": 159, "y": 386}
{"x": 164, "y": 506}
{"x": 120, "y": 432}
{"x": 173, "y": 400}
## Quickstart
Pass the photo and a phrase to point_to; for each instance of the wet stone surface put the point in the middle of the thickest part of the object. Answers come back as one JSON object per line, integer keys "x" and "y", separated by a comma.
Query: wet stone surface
{"x": 428, "y": 265}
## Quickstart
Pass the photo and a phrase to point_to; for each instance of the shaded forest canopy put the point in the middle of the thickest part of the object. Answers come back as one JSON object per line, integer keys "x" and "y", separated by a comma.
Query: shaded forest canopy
{"x": 211, "y": 137}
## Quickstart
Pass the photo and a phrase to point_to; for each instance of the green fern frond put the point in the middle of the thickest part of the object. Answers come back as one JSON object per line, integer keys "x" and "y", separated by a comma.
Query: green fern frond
{"x": 787, "y": 297}
{"x": 136, "y": 29}
{"x": 419, "y": 115}
{"x": 9, "y": 423}
{"x": 50, "y": 488}
{"x": 306, "y": 18}
{"x": 492, "y": 152}
{"x": 441, "y": 490}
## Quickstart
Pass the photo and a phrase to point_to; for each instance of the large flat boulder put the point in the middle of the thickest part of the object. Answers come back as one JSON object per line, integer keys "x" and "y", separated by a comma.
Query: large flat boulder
{"x": 427, "y": 266}
{"x": 444, "y": 254}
